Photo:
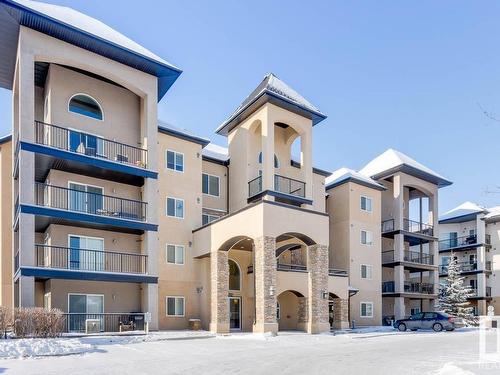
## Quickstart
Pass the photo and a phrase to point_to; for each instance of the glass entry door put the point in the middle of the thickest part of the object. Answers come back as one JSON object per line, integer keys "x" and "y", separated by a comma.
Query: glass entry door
{"x": 82, "y": 307}
{"x": 235, "y": 313}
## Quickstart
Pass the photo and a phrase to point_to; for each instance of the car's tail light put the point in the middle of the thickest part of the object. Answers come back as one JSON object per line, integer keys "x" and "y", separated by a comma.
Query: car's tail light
{"x": 451, "y": 319}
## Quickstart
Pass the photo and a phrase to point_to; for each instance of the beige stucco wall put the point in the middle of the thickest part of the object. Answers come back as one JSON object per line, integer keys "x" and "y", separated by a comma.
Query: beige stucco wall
{"x": 6, "y": 266}
{"x": 493, "y": 229}
{"x": 210, "y": 202}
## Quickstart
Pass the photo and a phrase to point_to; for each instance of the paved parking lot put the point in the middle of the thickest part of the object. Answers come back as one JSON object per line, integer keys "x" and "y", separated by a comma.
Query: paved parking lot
{"x": 290, "y": 353}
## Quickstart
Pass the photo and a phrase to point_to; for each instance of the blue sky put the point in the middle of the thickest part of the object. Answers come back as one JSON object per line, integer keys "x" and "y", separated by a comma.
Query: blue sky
{"x": 406, "y": 75}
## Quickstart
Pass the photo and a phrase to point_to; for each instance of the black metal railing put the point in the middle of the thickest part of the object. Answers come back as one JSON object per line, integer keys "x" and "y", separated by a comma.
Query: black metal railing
{"x": 15, "y": 170}
{"x": 89, "y": 202}
{"x": 463, "y": 241}
{"x": 408, "y": 256}
{"x": 284, "y": 267}
{"x": 338, "y": 272}
{"x": 388, "y": 226}
{"x": 107, "y": 322}
{"x": 408, "y": 287}
{"x": 417, "y": 227}
{"x": 16, "y": 261}
{"x": 16, "y": 210}
{"x": 90, "y": 260}
{"x": 89, "y": 145}
{"x": 282, "y": 184}
{"x": 388, "y": 287}
{"x": 416, "y": 287}
{"x": 289, "y": 186}
{"x": 254, "y": 186}
{"x": 462, "y": 266}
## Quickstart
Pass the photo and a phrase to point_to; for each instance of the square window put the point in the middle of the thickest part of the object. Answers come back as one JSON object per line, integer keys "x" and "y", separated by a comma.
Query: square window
{"x": 366, "y": 204}
{"x": 366, "y": 309}
{"x": 175, "y": 161}
{"x": 175, "y": 207}
{"x": 207, "y": 218}
{"x": 210, "y": 185}
{"x": 366, "y": 237}
{"x": 175, "y": 306}
{"x": 366, "y": 271}
{"x": 175, "y": 254}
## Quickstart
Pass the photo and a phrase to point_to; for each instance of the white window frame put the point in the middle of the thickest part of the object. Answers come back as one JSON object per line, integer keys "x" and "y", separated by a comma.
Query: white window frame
{"x": 215, "y": 217}
{"x": 183, "y": 306}
{"x": 370, "y": 273}
{"x": 175, "y": 254}
{"x": 88, "y": 295}
{"x": 80, "y": 114}
{"x": 367, "y": 198}
{"x": 366, "y": 237}
{"x": 361, "y": 309}
{"x": 175, "y": 208}
{"x": 208, "y": 186}
{"x": 175, "y": 158}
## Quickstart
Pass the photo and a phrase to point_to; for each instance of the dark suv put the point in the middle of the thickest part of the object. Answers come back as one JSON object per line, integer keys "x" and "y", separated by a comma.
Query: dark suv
{"x": 437, "y": 321}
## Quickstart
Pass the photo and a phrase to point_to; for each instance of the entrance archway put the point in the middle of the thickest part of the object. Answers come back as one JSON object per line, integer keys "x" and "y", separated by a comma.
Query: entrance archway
{"x": 292, "y": 311}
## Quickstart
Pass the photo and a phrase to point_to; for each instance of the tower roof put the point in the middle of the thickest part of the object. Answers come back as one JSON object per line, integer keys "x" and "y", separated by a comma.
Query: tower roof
{"x": 273, "y": 90}
{"x": 464, "y": 212}
{"x": 392, "y": 161}
{"x": 80, "y": 30}
{"x": 344, "y": 174}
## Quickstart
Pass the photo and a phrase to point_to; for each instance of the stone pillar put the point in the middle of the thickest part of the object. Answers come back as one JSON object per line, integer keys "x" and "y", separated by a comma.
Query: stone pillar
{"x": 219, "y": 288}
{"x": 265, "y": 285}
{"x": 317, "y": 264}
{"x": 302, "y": 314}
{"x": 340, "y": 313}
{"x": 399, "y": 308}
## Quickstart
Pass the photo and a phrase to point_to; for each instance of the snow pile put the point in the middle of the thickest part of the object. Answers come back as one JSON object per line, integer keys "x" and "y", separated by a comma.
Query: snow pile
{"x": 18, "y": 348}
{"x": 344, "y": 173}
{"x": 451, "y": 369}
{"x": 216, "y": 152}
{"x": 466, "y": 208}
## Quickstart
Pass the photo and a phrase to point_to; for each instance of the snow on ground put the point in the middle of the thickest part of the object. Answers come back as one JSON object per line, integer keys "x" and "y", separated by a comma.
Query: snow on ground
{"x": 354, "y": 353}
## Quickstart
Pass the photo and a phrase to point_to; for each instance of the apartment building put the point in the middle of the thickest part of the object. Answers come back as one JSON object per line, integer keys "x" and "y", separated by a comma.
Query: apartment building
{"x": 115, "y": 217}
{"x": 383, "y": 230}
{"x": 471, "y": 234}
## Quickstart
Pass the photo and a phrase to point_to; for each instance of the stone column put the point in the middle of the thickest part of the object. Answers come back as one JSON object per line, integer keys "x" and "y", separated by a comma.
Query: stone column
{"x": 317, "y": 264}
{"x": 302, "y": 314}
{"x": 340, "y": 313}
{"x": 265, "y": 285}
{"x": 219, "y": 284}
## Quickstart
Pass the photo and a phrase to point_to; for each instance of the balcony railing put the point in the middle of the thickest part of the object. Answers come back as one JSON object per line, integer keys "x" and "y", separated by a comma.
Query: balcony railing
{"x": 282, "y": 184}
{"x": 89, "y": 145}
{"x": 488, "y": 291}
{"x": 488, "y": 239}
{"x": 16, "y": 261}
{"x": 417, "y": 227}
{"x": 338, "y": 272}
{"x": 465, "y": 267}
{"x": 451, "y": 243}
{"x": 284, "y": 267}
{"x": 408, "y": 287}
{"x": 388, "y": 226}
{"x": 90, "y": 203}
{"x": 108, "y": 322}
{"x": 89, "y": 260}
{"x": 409, "y": 256}
{"x": 289, "y": 186}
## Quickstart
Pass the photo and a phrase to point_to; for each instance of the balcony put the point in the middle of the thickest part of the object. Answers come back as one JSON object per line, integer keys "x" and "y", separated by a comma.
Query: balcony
{"x": 409, "y": 287}
{"x": 87, "y": 154}
{"x": 56, "y": 204}
{"x": 284, "y": 188}
{"x": 409, "y": 256}
{"x": 338, "y": 272}
{"x": 418, "y": 227}
{"x": 465, "y": 267}
{"x": 459, "y": 242}
{"x": 77, "y": 259}
{"x": 107, "y": 322}
{"x": 284, "y": 267}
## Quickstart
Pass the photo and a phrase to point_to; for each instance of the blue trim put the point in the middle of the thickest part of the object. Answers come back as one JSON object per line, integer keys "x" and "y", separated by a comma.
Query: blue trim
{"x": 166, "y": 73}
{"x": 51, "y": 273}
{"x": 461, "y": 218}
{"x": 5, "y": 138}
{"x": 79, "y": 216}
{"x": 96, "y": 162}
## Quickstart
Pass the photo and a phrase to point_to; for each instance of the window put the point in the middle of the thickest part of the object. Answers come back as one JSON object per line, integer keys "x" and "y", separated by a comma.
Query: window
{"x": 417, "y": 316}
{"x": 366, "y": 204}
{"x": 175, "y": 161}
{"x": 175, "y": 306}
{"x": 366, "y": 309}
{"x": 276, "y": 161}
{"x": 175, "y": 254}
{"x": 234, "y": 275}
{"x": 414, "y": 310}
{"x": 366, "y": 237}
{"x": 85, "y": 304}
{"x": 86, "y": 253}
{"x": 85, "y": 198}
{"x": 207, "y": 218}
{"x": 85, "y": 105}
{"x": 175, "y": 208}
{"x": 210, "y": 185}
{"x": 366, "y": 271}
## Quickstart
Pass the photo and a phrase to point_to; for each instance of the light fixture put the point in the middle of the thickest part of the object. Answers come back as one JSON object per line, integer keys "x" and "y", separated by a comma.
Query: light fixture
{"x": 324, "y": 294}
{"x": 271, "y": 290}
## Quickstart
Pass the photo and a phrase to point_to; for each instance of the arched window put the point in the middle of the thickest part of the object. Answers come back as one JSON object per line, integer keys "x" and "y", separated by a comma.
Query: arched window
{"x": 234, "y": 276}
{"x": 85, "y": 105}
{"x": 276, "y": 161}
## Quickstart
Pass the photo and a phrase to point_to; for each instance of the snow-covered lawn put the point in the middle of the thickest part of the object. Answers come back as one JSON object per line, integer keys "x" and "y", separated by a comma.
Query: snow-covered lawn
{"x": 362, "y": 351}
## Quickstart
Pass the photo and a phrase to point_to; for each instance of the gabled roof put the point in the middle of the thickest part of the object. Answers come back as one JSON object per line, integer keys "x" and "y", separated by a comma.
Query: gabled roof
{"x": 273, "y": 90}
{"x": 80, "y": 30}
{"x": 465, "y": 212}
{"x": 216, "y": 153}
{"x": 392, "y": 161}
{"x": 166, "y": 128}
{"x": 343, "y": 175}
{"x": 493, "y": 214}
